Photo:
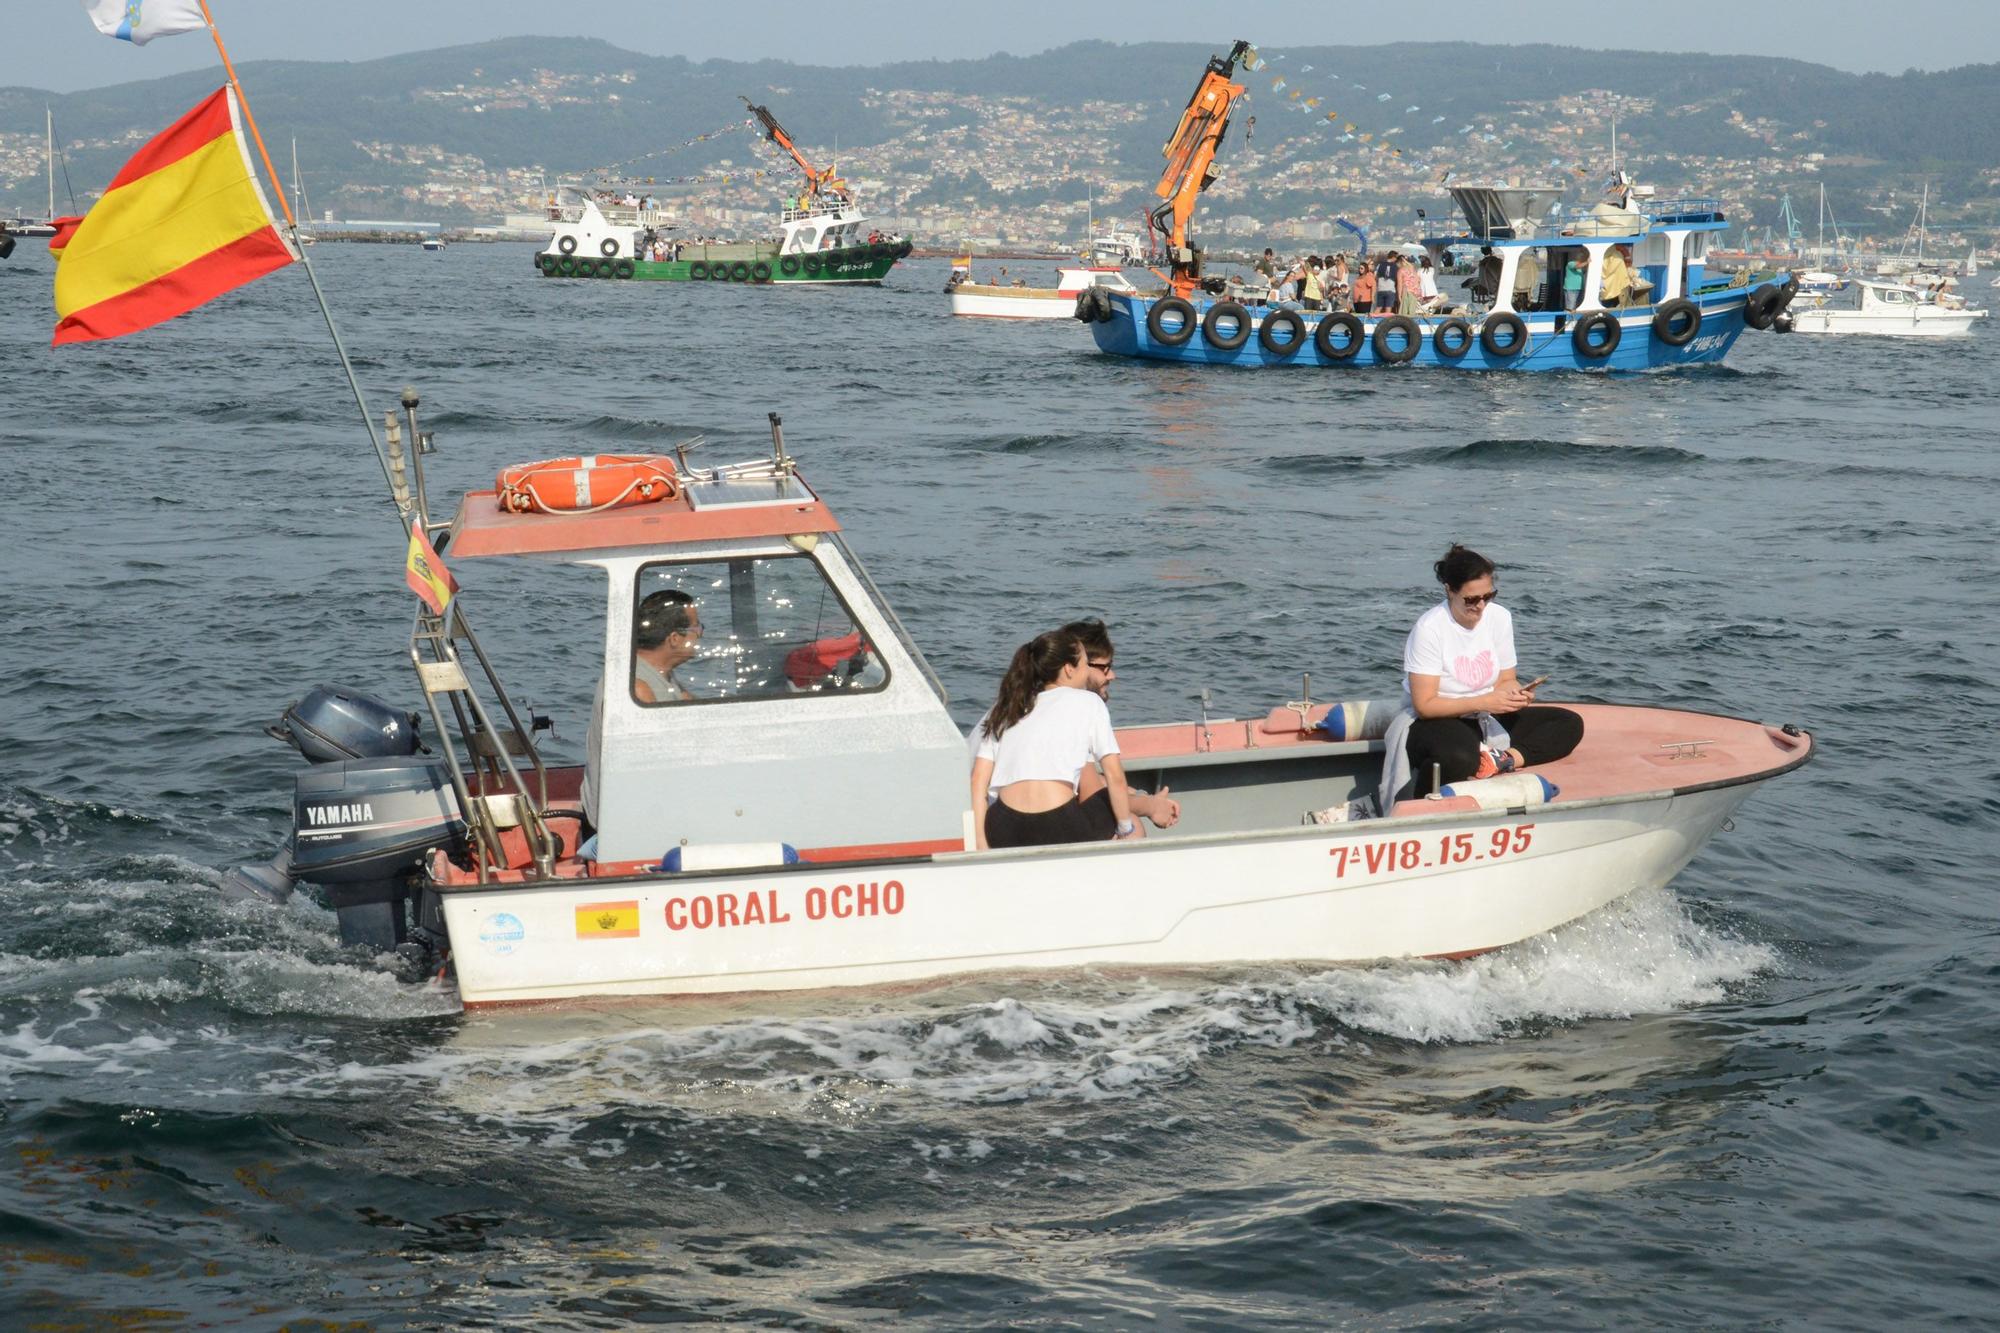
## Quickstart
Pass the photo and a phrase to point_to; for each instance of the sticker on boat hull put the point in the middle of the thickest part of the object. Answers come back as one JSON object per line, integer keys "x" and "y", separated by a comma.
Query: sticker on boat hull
{"x": 502, "y": 933}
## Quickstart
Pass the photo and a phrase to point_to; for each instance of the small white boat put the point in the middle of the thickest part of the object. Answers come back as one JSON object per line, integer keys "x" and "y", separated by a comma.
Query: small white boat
{"x": 433, "y": 243}
{"x": 789, "y": 806}
{"x": 992, "y": 301}
{"x": 1884, "y": 308}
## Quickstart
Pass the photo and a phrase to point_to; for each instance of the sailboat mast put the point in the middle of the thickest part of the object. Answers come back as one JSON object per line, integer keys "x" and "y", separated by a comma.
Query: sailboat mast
{"x": 1822, "y": 224}
{"x": 50, "y": 113}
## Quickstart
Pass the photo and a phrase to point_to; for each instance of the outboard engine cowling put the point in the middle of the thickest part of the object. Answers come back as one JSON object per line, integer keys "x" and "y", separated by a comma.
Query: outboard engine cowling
{"x": 331, "y": 724}
{"x": 364, "y": 816}
{"x": 361, "y": 828}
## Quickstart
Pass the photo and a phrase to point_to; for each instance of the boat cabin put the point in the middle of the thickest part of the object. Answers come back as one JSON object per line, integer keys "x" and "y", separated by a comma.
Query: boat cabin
{"x": 801, "y": 713}
{"x": 1669, "y": 242}
{"x": 822, "y": 222}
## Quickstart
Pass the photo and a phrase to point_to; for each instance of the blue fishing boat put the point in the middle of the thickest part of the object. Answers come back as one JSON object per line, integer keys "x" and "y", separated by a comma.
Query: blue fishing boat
{"x": 1647, "y": 299}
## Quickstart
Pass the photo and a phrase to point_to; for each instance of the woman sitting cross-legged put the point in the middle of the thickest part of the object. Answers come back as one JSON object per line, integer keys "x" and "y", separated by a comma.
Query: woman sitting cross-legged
{"x": 1044, "y": 728}
{"x": 1474, "y": 718}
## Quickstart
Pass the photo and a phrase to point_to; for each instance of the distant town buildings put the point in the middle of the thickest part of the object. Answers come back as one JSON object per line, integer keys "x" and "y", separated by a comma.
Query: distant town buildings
{"x": 964, "y": 168}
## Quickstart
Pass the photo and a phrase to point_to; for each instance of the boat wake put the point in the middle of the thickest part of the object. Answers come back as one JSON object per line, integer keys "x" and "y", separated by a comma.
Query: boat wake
{"x": 1073, "y": 1037}
{"x": 1512, "y": 451}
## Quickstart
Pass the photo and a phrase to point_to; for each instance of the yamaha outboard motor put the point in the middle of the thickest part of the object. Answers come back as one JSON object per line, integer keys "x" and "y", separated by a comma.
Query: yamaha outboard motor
{"x": 364, "y": 817}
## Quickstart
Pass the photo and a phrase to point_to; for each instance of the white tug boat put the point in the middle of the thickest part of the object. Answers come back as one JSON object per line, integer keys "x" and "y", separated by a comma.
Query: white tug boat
{"x": 1860, "y": 305}
{"x": 993, "y": 301}
{"x": 792, "y": 810}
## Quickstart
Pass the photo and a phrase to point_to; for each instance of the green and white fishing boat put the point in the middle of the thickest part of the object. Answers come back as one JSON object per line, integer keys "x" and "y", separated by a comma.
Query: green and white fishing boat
{"x": 824, "y": 237}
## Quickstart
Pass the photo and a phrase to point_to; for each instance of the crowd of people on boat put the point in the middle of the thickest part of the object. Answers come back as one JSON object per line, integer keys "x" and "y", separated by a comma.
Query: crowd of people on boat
{"x": 1391, "y": 282}
{"x": 1045, "y": 758}
{"x": 1396, "y": 282}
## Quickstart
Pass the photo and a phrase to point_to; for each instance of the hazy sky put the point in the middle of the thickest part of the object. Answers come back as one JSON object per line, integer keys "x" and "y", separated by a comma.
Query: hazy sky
{"x": 51, "y": 44}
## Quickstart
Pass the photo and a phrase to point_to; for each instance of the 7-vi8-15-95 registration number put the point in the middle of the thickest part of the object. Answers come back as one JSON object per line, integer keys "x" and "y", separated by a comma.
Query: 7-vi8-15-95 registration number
{"x": 1438, "y": 851}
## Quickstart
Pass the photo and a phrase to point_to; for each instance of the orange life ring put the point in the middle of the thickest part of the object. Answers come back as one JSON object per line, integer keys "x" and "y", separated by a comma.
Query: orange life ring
{"x": 587, "y": 484}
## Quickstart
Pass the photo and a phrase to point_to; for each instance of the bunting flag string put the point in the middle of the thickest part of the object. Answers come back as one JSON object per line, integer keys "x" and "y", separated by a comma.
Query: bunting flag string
{"x": 731, "y": 128}
{"x": 1301, "y": 96}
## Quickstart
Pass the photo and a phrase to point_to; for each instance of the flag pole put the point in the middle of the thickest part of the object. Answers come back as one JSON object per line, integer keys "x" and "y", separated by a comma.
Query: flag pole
{"x": 248, "y": 119}
{"x": 292, "y": 225}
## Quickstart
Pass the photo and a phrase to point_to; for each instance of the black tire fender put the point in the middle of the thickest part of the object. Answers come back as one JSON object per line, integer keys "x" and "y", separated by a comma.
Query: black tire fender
{"x": 1588, "y": 324}
{"x": 1357, "y": 336}
{"x": 609, "y": 248}
{"x": 739, "y": 272}
{"x": 698, "y": 270}
{"x": 1211, "y": 325}
{"x": 813, "y": 264}
{"x": 623, "y": 268}
{"x": 760, "y": 272}
{"x": 1413, "y": 340}
{"x": 1513, "y": 343}
{"x": 1452, "y": 339}
{"x": 1282, "y": 319}
{"x": 547, "y": 263}
{"x": 1677, "y": 322}
{"x": 1156, "y": 322}
{"x": 789, "y": 265}
{"x": 1762, "y": 306}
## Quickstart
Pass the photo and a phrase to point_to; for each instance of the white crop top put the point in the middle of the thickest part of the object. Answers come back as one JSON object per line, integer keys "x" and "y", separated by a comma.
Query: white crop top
{"x": 1065, "y": 730}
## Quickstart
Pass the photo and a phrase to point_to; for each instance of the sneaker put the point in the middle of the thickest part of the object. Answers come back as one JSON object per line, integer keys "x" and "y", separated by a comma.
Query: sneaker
{"x": 1492, "y": 763}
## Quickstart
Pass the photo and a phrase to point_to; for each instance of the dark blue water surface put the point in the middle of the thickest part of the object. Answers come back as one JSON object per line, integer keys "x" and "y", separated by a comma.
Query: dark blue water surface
{"x": 1764, "y": 1096}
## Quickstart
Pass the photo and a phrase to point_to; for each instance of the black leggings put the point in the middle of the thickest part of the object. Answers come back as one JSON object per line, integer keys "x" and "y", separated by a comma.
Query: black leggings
{"x": 1542, "y": 735}
{"x": 1079, "y": 821}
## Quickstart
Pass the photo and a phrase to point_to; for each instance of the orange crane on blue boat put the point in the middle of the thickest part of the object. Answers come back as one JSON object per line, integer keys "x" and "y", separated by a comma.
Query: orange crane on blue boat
{"x": 1191, "y": 169}
{"x": 818, "y": 180}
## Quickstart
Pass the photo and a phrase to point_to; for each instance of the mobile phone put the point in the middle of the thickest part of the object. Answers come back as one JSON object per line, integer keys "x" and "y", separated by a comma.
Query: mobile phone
{"x": 1536, "y": 683}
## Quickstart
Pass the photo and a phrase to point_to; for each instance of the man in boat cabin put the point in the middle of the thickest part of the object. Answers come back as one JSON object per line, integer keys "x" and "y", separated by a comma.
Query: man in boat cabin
{"x": 666, "y": 634}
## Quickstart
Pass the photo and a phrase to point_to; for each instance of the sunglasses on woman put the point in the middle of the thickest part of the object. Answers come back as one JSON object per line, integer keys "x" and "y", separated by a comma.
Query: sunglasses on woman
{"x": 1473, "y": 601}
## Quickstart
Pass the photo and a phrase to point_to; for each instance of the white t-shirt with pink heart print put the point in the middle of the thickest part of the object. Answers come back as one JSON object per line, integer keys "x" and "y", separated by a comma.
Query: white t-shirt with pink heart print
{"x": 1465, "y": 661}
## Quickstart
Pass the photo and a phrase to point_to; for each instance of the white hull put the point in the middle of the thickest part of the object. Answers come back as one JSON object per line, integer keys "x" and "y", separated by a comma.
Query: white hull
{"x": 1443, "y": 885}
{"x": 1037, "y": 304}
{"x": 1923, "y": 322}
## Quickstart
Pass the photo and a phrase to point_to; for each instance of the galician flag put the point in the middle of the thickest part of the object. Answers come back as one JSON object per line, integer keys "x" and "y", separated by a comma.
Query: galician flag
{"x": 140, "y": 21}
{"x": 424, "y": 570}
{"x": 182, "y": 223}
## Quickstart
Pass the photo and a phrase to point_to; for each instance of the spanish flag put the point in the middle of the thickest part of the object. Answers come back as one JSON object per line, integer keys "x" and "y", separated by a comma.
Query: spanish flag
{"x": 184, "y": 222}
{"x": 608, "y": 921}
{"x": 425, "y": 571}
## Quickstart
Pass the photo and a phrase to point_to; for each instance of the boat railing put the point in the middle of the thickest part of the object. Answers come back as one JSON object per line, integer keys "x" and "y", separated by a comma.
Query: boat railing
{"x": 817, "y": 209}
{"x": 1667, "y": 211}
{"x": 493, "y": 793}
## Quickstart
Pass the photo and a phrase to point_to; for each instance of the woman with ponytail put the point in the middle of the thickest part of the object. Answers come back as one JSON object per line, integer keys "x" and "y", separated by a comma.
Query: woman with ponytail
{"x": 1043, "y": 729}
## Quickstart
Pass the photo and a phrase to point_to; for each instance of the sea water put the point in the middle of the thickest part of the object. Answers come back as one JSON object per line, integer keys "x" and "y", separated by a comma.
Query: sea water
{"x": 1763, "y": 1095}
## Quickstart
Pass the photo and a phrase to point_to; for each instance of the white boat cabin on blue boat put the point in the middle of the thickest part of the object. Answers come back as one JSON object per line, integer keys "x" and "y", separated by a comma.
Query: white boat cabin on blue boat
{"x": 1646, "y": 299}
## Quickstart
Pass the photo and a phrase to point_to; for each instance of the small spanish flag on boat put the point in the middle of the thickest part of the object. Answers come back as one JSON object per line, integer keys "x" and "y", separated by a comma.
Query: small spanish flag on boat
{"x": 608, "y": 921}
{"x": 425, "y": 571}
{"x": 185, "y": 221}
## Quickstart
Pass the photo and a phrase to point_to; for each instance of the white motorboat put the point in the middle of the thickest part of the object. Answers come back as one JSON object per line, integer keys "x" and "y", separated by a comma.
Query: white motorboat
{"x": 1888, "y": 308}
{"x": 433, "y": 243}
{"x": 994, "y": 301}
{"x": 792, "y": 811}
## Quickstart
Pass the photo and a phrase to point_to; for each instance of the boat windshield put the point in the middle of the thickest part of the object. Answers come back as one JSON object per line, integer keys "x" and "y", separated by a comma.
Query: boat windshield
{"x": 767, "y": 627}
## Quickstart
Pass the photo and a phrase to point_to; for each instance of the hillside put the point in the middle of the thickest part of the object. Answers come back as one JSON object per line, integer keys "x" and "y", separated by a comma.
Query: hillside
{"x": 565, "y": 105}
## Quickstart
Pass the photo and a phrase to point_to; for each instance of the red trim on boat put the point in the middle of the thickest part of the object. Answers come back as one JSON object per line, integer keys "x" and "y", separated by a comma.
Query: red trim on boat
{"x": 482, "y": 528}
